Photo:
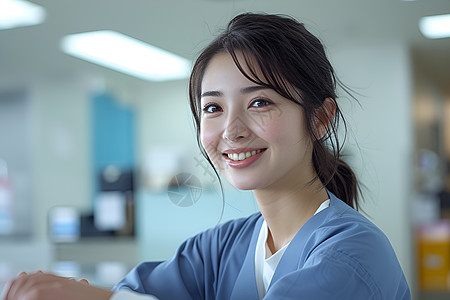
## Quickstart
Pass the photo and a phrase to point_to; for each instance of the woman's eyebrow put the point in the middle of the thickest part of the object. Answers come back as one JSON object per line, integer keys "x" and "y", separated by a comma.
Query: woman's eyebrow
{"x": 245, "y": 90}
{"x": 211, "y": 94}
{"x": 253, "y": 88}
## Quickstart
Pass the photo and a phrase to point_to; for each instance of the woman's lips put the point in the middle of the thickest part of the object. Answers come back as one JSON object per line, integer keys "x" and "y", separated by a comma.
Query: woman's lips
{"x": 239, "y": 159}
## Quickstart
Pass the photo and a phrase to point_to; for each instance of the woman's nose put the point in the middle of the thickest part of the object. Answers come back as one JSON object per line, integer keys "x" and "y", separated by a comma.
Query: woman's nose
{"x": 236, "y": 129}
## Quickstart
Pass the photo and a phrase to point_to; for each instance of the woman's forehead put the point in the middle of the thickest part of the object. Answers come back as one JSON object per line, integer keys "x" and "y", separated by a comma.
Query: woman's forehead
{"x": 237, "y": 65}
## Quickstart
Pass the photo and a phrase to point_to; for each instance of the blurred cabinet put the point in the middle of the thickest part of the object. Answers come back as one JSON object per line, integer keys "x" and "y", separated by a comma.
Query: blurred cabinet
{"x": 102, "y": 261}
{"x": 433, "y": 259}
{"x": 94, "y": 250}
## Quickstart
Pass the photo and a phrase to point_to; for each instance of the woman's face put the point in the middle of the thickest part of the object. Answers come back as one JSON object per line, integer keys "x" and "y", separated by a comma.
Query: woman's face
{"x": 255, "y": 137}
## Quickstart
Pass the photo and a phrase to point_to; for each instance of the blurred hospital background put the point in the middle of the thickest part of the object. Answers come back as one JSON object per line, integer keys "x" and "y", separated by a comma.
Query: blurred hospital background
{"x": 99, "y": 166}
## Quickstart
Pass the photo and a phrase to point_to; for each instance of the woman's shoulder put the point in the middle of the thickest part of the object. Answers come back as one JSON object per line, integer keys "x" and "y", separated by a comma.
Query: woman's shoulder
{"x": 341, "y": 221}
{"x": 342, "y": 228}
{"x": 348, "y": 238}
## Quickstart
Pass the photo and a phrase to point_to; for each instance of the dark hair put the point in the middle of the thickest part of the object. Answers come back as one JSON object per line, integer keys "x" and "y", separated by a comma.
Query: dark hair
{"x": 294, "y": 64}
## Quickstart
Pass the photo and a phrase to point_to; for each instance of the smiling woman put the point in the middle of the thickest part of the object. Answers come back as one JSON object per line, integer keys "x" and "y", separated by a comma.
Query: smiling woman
{"x": 263, "y": 99}
{"x": 288, "y": 79}
{"x": 234, "y": 127}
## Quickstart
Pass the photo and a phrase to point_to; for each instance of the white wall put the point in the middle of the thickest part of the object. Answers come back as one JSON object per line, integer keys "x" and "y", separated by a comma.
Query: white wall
{"x": 57, "y": 136}
{"x": 16, "y": 163}
{"x": 380, "y": 135}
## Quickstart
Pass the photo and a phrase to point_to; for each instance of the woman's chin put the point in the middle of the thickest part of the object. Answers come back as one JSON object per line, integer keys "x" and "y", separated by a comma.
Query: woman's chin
{"x": 244, "y": 185}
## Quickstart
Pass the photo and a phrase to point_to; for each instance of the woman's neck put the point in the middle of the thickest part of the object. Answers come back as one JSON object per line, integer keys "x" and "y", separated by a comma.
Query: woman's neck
{"x": 287, "y": 209}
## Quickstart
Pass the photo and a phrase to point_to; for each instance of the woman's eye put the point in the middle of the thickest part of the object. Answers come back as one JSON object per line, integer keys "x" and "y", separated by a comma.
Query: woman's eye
{"x": 260, "y": 103}
{"x": 211, "y": 108}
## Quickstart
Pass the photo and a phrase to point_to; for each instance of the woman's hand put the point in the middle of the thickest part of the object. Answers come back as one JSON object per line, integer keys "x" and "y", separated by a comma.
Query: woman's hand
{"x": 43, "y": 286}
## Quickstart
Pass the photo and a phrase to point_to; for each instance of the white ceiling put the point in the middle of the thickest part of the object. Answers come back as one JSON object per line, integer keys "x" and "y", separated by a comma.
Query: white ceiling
{"x": 184, "y": 26}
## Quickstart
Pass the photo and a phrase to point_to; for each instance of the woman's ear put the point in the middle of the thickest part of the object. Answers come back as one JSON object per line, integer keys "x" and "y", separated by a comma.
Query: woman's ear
{"x": 323, "y": 117}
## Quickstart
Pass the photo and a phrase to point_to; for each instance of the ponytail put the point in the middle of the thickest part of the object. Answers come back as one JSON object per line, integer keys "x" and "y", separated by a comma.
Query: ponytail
{"x": 336, "y": 175}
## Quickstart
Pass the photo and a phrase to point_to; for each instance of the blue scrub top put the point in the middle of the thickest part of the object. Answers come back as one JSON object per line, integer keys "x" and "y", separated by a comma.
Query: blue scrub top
{"x": 337, "y": 254}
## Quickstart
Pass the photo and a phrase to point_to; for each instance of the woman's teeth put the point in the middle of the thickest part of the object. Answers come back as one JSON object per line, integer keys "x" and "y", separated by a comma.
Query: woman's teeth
{"x": 242, "y": 155}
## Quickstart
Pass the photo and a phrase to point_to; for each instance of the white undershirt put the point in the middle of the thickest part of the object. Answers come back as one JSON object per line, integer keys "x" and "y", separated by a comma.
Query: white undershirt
{"x": 265, "y": 261}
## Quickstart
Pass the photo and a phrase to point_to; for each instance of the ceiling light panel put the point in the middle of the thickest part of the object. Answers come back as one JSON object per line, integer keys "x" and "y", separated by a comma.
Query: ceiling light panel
{"x": 127, "y": 55}
{"x": 19, "y": 13}
{"x": 435, "y": 27}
